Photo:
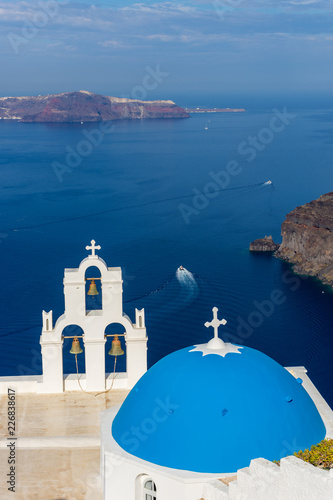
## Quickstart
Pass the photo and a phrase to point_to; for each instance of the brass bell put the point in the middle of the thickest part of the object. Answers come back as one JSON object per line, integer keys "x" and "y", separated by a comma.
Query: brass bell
{"x": 76, "y": 348}
{"x": 92, "y": 288}
{"x": 116, "y": 349}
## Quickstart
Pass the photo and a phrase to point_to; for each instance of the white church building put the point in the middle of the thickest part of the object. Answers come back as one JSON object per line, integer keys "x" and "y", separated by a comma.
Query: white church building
{"x": 204, "y": 423}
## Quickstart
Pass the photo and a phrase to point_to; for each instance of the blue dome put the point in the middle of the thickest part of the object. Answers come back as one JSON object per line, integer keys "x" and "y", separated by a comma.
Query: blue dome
{"x": 214, "y": 414}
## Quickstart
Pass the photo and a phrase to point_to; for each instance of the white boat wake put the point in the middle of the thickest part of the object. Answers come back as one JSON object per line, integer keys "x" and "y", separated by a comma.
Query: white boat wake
{"x": 174, "y": 295}
{"x": 188, "y": 284}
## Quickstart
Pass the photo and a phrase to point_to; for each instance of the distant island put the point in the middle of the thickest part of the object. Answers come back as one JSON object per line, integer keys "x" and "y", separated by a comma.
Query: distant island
{"x": 214, "y": 110}
{"x": 84, "y": 106}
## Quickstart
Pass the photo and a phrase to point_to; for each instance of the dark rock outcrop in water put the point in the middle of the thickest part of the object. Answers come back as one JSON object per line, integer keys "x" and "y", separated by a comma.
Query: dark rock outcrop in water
{"x": 84, "y": 106}
{"x": 264, "y": 245}
{"x": 308, "y": 239}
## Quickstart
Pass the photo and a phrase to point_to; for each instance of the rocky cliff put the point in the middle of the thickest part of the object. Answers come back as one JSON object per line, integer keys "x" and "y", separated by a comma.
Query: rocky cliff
{"x": 308, "y": 239}
{"x": 84, "y": 106}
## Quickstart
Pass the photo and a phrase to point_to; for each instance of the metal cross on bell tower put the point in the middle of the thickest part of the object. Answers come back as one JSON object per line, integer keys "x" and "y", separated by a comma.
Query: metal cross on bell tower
{"x": 93, "y": 248}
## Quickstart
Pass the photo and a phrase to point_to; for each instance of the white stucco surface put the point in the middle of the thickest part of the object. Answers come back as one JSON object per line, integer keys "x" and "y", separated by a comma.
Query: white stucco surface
{"x": 58, "y": 445}
{"x": 263, "y": 480}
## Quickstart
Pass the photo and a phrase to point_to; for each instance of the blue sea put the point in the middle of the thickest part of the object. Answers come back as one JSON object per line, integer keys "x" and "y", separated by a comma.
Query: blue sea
{"x": 137, "y": 190}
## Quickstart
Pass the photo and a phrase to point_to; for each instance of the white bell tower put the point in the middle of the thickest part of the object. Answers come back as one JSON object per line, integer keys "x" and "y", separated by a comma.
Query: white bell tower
{"x": 93, "y": 324}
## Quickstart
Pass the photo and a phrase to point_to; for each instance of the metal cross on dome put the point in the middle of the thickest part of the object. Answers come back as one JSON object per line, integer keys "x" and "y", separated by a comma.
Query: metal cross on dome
{"x": 215, "y": 323}
{"x": 93, "y": 248}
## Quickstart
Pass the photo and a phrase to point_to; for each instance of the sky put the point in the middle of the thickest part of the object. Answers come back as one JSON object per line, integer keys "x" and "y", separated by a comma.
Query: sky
{"x": 159, "y": 49}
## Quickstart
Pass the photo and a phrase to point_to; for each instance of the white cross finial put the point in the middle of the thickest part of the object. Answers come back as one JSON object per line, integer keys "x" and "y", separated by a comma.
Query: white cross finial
{"x": 216, "y": 345}
{"x": 93, "y": 248}
{"x": 216, "y": 342}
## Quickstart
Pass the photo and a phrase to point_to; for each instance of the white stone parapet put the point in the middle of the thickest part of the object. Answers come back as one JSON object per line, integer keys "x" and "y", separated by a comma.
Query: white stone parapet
{"x": 264, "y": 480}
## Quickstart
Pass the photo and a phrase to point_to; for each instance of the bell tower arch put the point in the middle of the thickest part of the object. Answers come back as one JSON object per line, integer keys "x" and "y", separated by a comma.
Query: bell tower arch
{"x": 93, "y": 323}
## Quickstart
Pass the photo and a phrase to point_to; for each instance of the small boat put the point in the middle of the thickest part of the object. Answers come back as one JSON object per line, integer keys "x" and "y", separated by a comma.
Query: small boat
{"x": 206, "y": 128}
{"x": 181, "y": 268}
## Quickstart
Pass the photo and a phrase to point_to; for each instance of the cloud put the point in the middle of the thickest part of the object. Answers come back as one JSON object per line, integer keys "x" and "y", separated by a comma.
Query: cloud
{"x": 196, "y": 41}
{"x": 162, "y": 8}
{"x": 112, "y": 44}
{"x": 303, "y": 2}
{"x": 89, "y": 28}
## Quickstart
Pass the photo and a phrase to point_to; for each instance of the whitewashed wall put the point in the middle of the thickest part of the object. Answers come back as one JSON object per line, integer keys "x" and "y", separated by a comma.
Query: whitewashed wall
{"x": 263, "y": 480}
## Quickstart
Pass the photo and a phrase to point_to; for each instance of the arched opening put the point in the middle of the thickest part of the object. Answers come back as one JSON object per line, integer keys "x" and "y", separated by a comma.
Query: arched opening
{"x": 149, "y": 490}
{"x": 145, "y": 488}
{"x": 140, "y": 322}
{"x": 112, "y": 329}
{"x": 47, "y": 325}
{"x": 93, "y": 302}
{"x": 68, "y": 358}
